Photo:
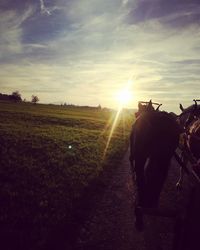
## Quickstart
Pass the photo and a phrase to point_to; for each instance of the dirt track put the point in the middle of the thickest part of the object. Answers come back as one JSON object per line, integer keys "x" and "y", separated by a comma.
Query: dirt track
{"x": 111, "y": 226}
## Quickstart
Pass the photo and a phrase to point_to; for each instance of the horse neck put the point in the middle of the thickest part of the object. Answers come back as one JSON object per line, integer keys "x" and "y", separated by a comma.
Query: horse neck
{"x": 187, "y": 118}
{"x": 140, "y": 112}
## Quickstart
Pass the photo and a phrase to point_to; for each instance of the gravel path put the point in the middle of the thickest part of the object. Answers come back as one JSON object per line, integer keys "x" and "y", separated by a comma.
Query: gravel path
{"x": 111, "y": 226}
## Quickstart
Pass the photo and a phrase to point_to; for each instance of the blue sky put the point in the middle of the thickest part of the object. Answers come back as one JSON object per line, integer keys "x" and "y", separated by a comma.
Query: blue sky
{"x": 85, "y": 51}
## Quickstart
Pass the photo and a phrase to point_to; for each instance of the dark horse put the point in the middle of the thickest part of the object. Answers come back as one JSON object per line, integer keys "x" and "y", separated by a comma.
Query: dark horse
{"x": 189, "y": 121}
{"x": 153, "y": 140}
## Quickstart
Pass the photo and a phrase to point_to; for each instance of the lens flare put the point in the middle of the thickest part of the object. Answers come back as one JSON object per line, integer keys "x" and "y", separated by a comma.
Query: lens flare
{"x": 111, "y": 132}
{"x": 123, "y": 97}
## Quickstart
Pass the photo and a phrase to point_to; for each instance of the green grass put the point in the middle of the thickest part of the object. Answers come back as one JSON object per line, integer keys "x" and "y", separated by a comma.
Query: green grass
{"x": 49, "y": 155}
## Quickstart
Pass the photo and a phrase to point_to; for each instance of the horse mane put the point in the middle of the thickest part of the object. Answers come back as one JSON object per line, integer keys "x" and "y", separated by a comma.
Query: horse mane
{"x": 146, "y": 107}
{"x": 191, "y": 109}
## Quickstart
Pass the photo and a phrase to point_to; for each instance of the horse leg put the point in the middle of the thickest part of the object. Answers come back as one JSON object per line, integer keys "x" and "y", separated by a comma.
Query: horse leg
{"x": 139, "y": 223}
{"x": 155, "y": 174}
{"x": 132, "y": 150}
{"x": 181, "y": 173}
{"x": 137, "y": 161}
{"x": 139, "y": 171}
{"x": 180, "y": 180}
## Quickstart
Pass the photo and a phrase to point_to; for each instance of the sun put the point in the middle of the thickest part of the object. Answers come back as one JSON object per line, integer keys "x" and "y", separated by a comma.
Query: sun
{"x": 124, "y": 96}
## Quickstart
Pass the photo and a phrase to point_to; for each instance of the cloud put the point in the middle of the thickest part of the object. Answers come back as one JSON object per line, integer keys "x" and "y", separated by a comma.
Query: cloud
{"x": 47, "y": 11}
{"x": 11, "y": 31}
{"x": 176, "y": 13}
{"x": 44, "y": 10}
{"x": 96, "y": 46}
{"x": 124, "y": 2}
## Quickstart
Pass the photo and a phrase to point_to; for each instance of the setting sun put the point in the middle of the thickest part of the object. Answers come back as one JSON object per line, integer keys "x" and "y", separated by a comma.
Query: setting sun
{"x": 124, "y": 96}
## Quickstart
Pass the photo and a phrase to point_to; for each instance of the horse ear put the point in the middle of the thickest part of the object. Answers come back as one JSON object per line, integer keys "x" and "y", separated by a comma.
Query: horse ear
{"x": 195, "y": 104}
{"x": 149, "y": 104}
{"x": 181, "y": 107}
{"x": 158, "y": 107}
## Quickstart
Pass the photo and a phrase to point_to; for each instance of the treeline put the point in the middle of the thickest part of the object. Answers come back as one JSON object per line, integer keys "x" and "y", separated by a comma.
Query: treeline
{"x": 84, "y": 107}
{"x": 94, "y": 108}
{"x": 16, "y": 97}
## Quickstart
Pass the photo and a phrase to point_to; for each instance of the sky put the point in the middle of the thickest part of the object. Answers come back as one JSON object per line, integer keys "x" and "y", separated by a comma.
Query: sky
{"x": 85, "y": 51}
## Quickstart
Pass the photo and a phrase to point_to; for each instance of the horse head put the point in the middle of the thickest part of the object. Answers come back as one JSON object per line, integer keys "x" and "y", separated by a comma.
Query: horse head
{"x": 189, "y": 115}
{"x": 146, "y": 107}
{"x": 189, "y": 120}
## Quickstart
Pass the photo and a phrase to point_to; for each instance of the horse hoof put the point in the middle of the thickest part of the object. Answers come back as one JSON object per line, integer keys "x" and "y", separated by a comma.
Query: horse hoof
{"x": 178, "y": 186}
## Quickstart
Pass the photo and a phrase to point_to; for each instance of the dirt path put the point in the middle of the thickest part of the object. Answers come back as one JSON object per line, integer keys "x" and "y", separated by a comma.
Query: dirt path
{"x": 111, "y": 226}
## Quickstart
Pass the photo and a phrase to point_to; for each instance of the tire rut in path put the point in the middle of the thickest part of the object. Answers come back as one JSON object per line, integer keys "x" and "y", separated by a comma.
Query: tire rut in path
{"x": 111, "y": 226}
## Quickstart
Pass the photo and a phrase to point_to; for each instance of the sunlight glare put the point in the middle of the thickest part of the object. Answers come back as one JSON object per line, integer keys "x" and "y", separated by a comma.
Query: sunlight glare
{"x": 112, "y": 131}
{"x": 123, "y": 98}
{"x": 125, "y": 95}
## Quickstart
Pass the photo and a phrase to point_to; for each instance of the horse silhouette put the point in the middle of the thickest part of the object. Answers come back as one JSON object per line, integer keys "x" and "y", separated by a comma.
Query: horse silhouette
{"x": 189, "y": 121}
{"x": 153, "y": 140}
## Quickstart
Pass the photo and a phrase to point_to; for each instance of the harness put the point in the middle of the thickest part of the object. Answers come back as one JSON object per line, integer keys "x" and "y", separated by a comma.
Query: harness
{"x": 190, "y": 137}
{"x": 146, "y": 107}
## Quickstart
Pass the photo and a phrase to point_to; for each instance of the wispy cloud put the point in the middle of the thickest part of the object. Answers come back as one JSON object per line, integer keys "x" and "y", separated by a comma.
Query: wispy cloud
{"x": 11, "y": 31}
{"x": 44, "y": 10}
{"x": 70, "y": 47}
{"x": 47, "y": 11}
{"x": 176, "y": 13}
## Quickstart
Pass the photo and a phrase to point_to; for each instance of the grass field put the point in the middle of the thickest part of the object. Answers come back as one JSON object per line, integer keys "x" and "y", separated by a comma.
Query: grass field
{"x": 49, "y": 155}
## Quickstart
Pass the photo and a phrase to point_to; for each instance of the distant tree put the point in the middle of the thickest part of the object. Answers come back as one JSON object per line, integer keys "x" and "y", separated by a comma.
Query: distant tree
{"x": 34, "y": 99}
{"x": 16, "y": 96}
{"x": 5, "y": 97}
{"x": 99, "y": 107}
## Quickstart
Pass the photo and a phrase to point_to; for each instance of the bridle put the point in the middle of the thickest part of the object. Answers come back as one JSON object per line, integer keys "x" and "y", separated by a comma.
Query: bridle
{"x": 148, "y": 107}
{"x": 194, "y": 114}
